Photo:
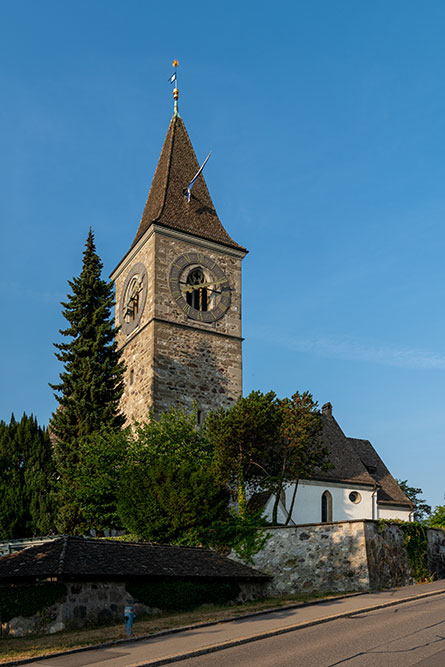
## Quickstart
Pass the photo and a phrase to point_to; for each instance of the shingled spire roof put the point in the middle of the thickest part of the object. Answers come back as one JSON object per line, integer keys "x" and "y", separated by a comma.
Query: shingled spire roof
{"x": 167, "y": 204}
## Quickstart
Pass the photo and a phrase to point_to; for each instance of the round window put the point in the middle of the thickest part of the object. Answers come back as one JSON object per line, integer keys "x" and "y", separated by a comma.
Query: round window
{"x": 355, "y": 497}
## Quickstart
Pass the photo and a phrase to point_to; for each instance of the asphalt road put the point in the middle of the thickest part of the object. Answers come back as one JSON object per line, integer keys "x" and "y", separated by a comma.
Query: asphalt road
{"x": 359, "y": 630}
{"x": 408, "y": 634}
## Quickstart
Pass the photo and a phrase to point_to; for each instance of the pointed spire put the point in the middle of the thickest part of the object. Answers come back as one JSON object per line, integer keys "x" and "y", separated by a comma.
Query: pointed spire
{"x": 167, "y": 201}
{"x": 175, "y": 89}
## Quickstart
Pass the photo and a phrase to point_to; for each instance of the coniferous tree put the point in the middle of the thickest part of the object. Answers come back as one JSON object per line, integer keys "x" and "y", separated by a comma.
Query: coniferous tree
{"x": 26, "y": 475}
{"x": 91, "y": 383}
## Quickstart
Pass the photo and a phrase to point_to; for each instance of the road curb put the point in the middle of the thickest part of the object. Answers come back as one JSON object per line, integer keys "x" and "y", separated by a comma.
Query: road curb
{"x": 228, "y": 644}
{"x": 278, "y": 631}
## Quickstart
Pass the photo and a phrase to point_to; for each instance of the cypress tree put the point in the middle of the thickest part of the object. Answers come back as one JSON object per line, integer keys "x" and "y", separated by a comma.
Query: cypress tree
{"x": 91, "y": 383}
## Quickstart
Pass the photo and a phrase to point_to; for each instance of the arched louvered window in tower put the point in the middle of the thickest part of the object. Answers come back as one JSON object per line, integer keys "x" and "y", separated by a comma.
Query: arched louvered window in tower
{"x": 197, "y": 296}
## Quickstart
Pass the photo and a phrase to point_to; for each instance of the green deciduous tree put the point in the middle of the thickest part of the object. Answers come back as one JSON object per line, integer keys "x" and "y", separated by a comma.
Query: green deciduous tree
{"x": 263, "y": 443}
{"x": 301, "y": 449}
{"x": 245, "y": 440}
{"x": 437, "y": 518}
{"x": 422, "y": 509}
{"x": 94, "y": 482}
{"x": 26, "y": 476}
{"x": 91, "y": 383}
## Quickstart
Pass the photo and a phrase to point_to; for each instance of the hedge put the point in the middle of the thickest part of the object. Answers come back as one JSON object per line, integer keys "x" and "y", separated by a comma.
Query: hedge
{"x": 182, "y": 595}
{"x": 28, "y": 600}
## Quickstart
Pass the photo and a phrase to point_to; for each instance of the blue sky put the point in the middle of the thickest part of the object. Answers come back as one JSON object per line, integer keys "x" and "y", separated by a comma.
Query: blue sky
{"x": 326, "y": 122}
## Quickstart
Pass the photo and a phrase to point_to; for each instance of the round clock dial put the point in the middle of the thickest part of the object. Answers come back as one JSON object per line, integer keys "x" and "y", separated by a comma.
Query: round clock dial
{"x": 133, "y": 297}
{"x": 199, "y": 287}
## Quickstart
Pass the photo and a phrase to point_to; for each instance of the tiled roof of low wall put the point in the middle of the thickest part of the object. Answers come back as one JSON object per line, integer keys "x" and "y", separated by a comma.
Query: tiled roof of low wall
{"x": 77, "y": 558}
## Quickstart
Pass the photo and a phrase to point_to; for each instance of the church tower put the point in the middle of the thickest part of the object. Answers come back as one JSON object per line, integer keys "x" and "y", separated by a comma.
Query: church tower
{"x": 178, "y": 294}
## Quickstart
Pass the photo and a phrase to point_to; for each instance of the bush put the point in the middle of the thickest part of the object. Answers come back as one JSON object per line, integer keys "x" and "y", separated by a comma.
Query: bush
{"x": 183, "y": 595}
{"x": 28, "y": 600}
{"x": 416, "y": 543}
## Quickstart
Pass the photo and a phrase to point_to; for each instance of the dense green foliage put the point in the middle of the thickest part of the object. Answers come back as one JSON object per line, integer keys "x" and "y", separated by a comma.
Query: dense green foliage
{"x": 96, "y": 480}
{"x": 301, "y": 449}
{"x": 26, "y": 472}
{"x": 28, "y": 600}
{"x": 263, "y": 443}
{"x": 91, "y": 382}
{"x": 244, "y": 439}
{"x": 437, "y": 518}
{"x": 183, "y": 595}
{"x": 169, "y": 491}
{"x": 167, "y": 502}
{"x": 176, "y": 480}
{"x": 416, "y": 543}
{"x": 422, "y": 509}
{"x": 244, "y": 534}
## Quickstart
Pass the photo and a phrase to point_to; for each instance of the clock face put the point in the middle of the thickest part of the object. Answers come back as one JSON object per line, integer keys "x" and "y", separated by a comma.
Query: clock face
{"x": 199, "y": 287}
{"x": 133, "y": 297}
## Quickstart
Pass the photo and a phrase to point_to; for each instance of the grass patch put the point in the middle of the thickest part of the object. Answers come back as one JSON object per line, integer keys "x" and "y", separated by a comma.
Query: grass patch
{"x": 16, "y": 648}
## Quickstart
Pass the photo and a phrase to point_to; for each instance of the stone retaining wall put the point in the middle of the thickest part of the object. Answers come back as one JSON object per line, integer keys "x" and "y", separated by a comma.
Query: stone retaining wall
{"x": 316, "y": 557}
{"x": 84, "y": 603}
{"x": 436, "y": 552}
{"x": 388, "y": 563}
{"x": 94, "y": 603}
{"x": 342, "y": 556}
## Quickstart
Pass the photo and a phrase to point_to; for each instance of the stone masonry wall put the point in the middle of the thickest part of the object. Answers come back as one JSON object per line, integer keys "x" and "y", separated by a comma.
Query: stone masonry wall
{"x": 84, "y": 603}
{"x": 171, "y": 359}
{"x": 138, "y": 347}
{"x": 192, "y": 366}
{"x": 342, "y": 556}
{"x": 388, "y": 562}
{"x": 87, "y": 603}
{"x": 167, "y": 249}
{"x": 436, "y": 552}
{"x": 318, "y": 557}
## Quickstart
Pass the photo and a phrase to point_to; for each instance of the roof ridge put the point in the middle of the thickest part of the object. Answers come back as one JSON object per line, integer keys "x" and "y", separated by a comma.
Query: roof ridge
{"x": 61, "y": 564}
{"x": 113, "y": 540}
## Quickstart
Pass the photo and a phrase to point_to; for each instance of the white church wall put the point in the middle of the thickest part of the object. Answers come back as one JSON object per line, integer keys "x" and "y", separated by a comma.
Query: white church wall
{"x": 394, "y": 513}
{"x": 307, "y": 508}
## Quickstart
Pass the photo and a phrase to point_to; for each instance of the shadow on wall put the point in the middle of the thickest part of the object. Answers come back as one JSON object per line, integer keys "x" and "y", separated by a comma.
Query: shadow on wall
{"x": 193, "y": 377}
{"x": 387, "y": 556}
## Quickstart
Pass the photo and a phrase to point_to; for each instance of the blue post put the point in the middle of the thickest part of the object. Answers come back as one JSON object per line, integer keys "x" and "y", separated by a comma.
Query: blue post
{"x": 129, "y": 617}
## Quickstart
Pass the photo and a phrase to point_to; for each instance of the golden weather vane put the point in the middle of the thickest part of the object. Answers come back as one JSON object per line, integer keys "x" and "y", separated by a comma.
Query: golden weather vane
{"x": 173, "y": 79}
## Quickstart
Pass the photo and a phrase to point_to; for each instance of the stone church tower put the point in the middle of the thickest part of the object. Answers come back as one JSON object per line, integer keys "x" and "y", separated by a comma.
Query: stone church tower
{"x": 178, "y": 294}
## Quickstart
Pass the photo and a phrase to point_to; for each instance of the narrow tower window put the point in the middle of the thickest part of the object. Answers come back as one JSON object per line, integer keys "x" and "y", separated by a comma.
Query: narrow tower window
{"x": 326, "y": 507}
{"x": 197, "y": 296}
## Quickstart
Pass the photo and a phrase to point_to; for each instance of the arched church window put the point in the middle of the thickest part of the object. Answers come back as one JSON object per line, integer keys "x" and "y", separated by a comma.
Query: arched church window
{"x": 326, "y": 507}
{"x": 197, "y": 296}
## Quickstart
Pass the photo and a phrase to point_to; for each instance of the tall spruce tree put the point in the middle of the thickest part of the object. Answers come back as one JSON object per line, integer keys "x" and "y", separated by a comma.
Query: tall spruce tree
{"x": 91, "y": 383}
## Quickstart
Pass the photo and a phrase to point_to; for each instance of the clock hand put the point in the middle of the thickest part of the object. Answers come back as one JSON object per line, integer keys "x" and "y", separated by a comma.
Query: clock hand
{"x": 190, "y": 288}
{"x": 134, "y": 292}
